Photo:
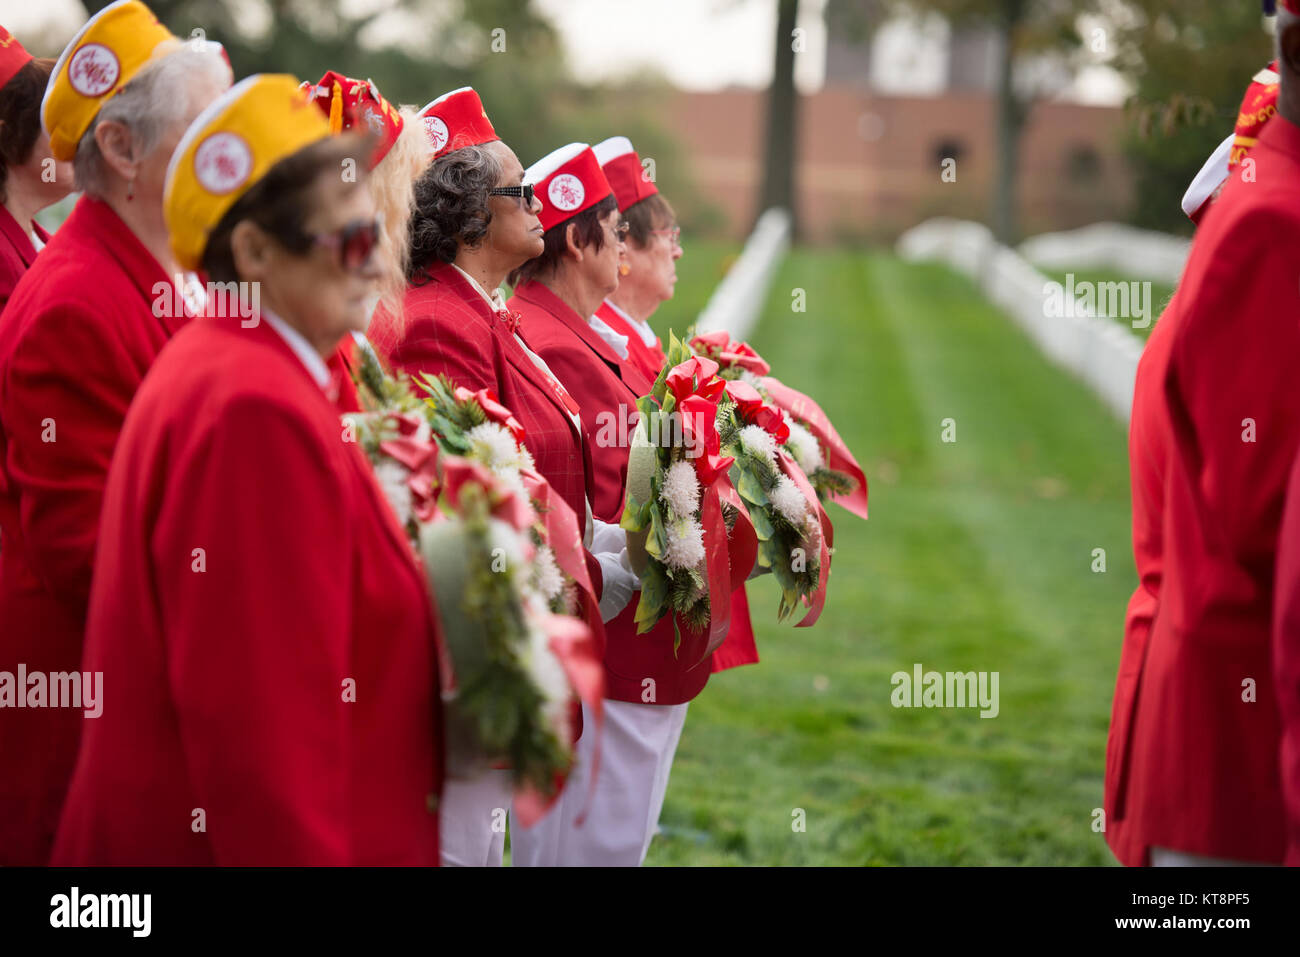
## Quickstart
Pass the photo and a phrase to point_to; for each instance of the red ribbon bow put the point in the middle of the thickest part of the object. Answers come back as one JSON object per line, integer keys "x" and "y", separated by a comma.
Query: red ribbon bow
{"x": 503, "y": 503}
{"x": 752, "y": 409}
{"x": 496, "y": 412}
{"x": 730, "y": 352}
{"x": 695, "y": 376}
{"x": 511, "y": 320}
{"x": 420, "y": 457}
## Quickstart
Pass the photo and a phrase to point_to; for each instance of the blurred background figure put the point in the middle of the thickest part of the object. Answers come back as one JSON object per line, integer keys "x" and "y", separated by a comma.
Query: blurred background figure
{"x": 30, "y": 179}
{"x": 119, "y": 99}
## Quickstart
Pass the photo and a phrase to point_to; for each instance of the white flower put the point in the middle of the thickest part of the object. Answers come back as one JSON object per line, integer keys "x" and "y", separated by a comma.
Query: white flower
{"x": 393, "y": 476}
{"x": 505, "y": 544}
{"x": 547, "y": 577}
{"x": 513, "y": 481}
{"x": 685, "y": 543}
{"x": 802, "y": 446}
{"x": 758, "y": 441}
{"x": 749, "y": 377}
{"x": 789, "y": 501}
{"x": 681, "y": 489}
{"x": 492, "y": 445}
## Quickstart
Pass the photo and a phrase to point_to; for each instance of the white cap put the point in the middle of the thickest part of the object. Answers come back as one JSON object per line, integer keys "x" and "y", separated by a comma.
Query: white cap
{"x": 612, "y": 148}
{"x": 552, "y": 161}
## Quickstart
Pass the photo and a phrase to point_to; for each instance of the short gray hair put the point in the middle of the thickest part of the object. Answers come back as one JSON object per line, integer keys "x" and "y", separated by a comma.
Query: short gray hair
{"x": 155, "y": 101}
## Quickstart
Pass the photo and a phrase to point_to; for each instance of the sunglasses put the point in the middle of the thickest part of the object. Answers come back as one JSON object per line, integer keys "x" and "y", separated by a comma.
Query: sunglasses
{"x": 524, "y": 192}
{"x": 354, "y": 244}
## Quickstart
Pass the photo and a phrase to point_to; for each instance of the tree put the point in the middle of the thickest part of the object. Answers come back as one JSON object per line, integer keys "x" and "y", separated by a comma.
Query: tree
{"x": 782, "y": 128}
{"x": 1022, "y": 28}
{"x": 1190, "y": 63}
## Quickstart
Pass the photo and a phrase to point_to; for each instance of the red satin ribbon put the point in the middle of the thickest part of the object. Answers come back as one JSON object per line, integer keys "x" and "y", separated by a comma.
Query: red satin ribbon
{"x": 496, "y": 412}
{"x": 730, "y": 352}
{"x": 742, "y": 544}
{"x": 698, "y": 415}
{"x": 421, "y": 458}
{"x": 503, "y": 503}
{"x": 818, "y": 600}
{"x": 838, "y": 455}
{"x": 752, "y": 409}
{"x": 563, "y": 534}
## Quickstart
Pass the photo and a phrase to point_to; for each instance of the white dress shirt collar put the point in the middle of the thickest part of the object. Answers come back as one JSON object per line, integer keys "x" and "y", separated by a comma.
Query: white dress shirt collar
{"x": 640, "y": 325}
{"x": 494, "y": 300}
{"x": 296, "y": 341}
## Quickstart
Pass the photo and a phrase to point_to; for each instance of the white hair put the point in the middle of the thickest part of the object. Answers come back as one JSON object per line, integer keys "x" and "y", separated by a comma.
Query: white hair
{"x": 157, "y": 100}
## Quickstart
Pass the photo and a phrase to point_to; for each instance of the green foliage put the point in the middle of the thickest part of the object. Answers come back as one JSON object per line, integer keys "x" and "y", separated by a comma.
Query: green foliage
{"x": 1191, "y": 63}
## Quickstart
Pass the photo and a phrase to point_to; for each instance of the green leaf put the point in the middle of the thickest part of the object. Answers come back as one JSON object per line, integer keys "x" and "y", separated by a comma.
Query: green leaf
{"x": 762, "y": 524}
{"x": 751, "y": 488}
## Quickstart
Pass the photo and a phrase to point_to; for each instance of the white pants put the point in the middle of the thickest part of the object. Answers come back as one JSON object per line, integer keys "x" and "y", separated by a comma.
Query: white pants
{"x": 472, "y": 819}
{"x": 636, "y": 756}
{"x": 1164, "y": 857}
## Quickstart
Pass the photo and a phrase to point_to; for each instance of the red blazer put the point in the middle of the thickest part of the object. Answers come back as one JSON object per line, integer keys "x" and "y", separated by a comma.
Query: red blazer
{"x": 648, "y": 360}
{"x": 17, "y": 253}
{"x": 76, "y": 338}
{"x": 602, "y": 383}
{"x": 1286, "y": 660}
{"x": 227, "y": 683}
{"x": 448, "y": 328}
{"x": 1149, "y": 451}
{"x": 605, "y": 387}
{"x": 1203, "y": 773}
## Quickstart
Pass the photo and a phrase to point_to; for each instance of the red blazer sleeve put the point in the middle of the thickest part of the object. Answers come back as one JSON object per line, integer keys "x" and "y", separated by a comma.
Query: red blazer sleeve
{"x": 70, "y": 383}
{"x": 259, "y": 644}
{"x": 1286, "y": 660}
{"x": 1224, "y": 379}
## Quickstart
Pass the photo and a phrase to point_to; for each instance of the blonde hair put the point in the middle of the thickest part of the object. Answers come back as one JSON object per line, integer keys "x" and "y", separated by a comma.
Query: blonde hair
{"x": 392, "y": 186}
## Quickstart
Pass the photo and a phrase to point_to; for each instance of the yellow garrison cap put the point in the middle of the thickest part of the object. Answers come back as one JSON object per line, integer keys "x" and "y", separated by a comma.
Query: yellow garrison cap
{"x": 108, "y": 52}
{"x": 227, "y": 149}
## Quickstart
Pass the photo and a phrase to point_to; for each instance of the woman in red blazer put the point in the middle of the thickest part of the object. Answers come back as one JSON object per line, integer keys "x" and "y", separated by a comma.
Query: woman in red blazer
{"x": 78, "y": 335}
{"x": 647, "y": 279}
{"x": 647, "y": 685}
{"x": 25, "y": 184}
{"x": 473, "y": 223}
{"x": 261, "y": 623}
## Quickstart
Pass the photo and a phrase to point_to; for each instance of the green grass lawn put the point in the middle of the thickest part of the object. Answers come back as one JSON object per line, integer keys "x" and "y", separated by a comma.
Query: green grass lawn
{"x": 1161, "y": 292}
{"x": 977, "y": 557}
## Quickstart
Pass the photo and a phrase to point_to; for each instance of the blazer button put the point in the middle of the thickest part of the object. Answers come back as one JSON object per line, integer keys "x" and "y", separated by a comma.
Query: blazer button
{"x": 431, "y": 803}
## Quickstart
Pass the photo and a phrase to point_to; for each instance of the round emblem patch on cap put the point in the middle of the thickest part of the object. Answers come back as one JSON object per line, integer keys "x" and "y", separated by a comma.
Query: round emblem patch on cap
{"x": 437, "y": 131}
{"x": 93, "y": 70}
{"x": 223, "y": 163}
{"x": 566, "y": 192}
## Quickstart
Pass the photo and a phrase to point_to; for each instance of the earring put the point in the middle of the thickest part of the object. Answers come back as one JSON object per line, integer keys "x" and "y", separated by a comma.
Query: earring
{"x": 624, "y": 269}
{"x": 130, "y": 190}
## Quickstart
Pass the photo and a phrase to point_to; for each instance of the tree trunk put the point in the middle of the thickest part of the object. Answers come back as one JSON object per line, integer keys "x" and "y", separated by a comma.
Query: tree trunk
{"x": 1010, "y": 121}
{"x": 778, "y": 168}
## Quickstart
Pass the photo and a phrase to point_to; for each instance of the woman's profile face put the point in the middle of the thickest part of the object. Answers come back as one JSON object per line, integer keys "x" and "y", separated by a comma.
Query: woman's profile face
{"x": 652, "y": 268}
{"x": 515, "y": 230}
{"x": 601, "y": 265}
{"x": 315, "y": 291}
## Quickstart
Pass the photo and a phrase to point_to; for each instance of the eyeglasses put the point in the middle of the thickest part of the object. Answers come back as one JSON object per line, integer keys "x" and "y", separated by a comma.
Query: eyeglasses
{"x": 621, "y": 230}
{"x": 674, "y": 235}
{"x": 524, "y": 192}
{"x": 354, "y": 244}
